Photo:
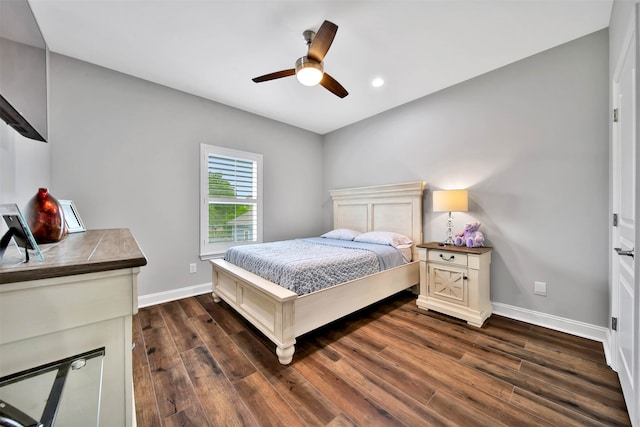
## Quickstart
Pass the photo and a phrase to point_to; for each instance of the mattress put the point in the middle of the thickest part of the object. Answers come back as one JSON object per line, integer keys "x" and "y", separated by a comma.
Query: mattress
{"x": 309, "y": 265}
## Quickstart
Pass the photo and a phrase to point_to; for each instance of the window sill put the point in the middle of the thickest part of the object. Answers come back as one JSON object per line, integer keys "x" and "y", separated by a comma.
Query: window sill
{"x": 215, "y": 255}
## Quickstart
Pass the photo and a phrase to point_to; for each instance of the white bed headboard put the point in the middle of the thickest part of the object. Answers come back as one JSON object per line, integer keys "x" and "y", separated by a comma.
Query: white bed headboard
{"x": 396, "y": 207}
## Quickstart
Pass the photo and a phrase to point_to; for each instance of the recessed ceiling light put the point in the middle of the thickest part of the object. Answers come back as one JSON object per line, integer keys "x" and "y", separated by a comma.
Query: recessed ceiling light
{"x": 377, "y": 82}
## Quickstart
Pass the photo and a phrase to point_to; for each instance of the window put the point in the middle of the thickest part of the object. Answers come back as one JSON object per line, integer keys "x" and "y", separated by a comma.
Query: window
{"x": 231, "y": 199}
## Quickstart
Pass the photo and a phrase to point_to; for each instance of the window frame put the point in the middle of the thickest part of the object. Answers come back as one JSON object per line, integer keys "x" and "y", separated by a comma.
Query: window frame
{"x": 216, "y": 250}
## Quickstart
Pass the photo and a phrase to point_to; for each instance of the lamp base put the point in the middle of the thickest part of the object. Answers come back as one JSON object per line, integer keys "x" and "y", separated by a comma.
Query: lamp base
{"x": 449, "y": 240}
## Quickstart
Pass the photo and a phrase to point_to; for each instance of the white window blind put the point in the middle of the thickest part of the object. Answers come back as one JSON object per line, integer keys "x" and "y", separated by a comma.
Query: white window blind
{"x": 231, "y": 212}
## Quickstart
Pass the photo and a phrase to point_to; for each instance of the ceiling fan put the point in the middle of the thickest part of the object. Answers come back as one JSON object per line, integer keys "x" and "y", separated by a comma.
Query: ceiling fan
{"x": 310, "y": 69}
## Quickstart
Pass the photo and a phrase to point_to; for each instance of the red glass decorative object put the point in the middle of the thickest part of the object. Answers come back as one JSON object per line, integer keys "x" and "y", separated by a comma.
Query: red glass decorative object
{"x": 45, "y": 217}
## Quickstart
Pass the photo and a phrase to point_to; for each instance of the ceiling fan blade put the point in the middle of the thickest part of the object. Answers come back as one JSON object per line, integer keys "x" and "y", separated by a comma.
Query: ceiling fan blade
{"x": 276, "y": 75}
{"x": 333, "y": 86}
{"x": 322, "y": 41}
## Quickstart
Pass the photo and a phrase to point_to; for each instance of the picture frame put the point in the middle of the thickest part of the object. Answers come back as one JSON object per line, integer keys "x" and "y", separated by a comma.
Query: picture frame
{"x": 18, "y": 230}
{"x": 72, "y": 217}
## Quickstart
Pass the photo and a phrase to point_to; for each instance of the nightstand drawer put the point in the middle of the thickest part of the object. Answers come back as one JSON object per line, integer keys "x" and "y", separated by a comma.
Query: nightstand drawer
{"x": 448, "y": 257}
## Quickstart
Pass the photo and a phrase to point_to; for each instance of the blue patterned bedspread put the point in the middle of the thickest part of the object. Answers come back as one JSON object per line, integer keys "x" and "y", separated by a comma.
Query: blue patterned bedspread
{"x": 308, "y": 265}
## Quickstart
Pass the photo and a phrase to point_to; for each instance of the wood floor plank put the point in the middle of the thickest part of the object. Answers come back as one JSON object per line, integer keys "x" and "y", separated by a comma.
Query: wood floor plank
{"x": 192, "y": 416}
{"x": 267, "y": 406}
{"x": 551, "y": 392}
{"x": 318, "y": 369}
{"x": 471, "y": 393}
{"x": 445, "y": 370}
{"x": 606, "y": 395}
{"x": 424, "y": 339}
{"x": 224, "y": 315}
{"x": 509, "y": 330}
{"x": 191, "y": 307}
{"x": 147, "y": 414}
{"x": 535, "y": 354}
{"x": 341, "y": 421}
{"x": 393, "y": 373}
{"x": 231, "y": 359}
{"x": 150, "y": 317}
{"x": 458, "y": 413}
{"x": 173, "y": 389}
{"x": 183, "y": 334}
{"x": 220, "y": 400}
{"x": 400, "y": 405}
{"x": 314, "y": 408}
{"x": 462, "y": 338}
{"x": 562, "y": 339}
{"x": 550, "y": 411}
{"x": 585, "y": 367}
{"x": 366, "y": 339}
{"x": 159, "y": 346}
{"x": 436, "y": 322}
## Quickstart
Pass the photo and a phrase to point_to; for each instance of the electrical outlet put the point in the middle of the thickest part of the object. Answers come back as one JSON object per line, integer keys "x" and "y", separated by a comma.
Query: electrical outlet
{"x": 193, "y": 268}
{"x": 540, "y": 288}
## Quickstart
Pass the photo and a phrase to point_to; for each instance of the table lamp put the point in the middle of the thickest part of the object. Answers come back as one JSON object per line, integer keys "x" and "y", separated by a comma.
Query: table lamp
{"x": 450, "y": 201}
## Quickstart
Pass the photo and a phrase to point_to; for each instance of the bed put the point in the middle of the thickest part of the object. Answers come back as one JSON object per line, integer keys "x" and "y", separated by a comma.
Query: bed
{"x": 282, "y": 315}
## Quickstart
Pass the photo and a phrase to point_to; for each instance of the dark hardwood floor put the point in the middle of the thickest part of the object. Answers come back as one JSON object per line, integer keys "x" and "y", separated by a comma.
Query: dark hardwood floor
{"x": 197, "y": 363}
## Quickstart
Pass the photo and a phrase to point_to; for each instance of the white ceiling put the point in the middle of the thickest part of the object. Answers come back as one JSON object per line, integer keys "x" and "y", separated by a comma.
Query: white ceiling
{"x": 212, "y": 48}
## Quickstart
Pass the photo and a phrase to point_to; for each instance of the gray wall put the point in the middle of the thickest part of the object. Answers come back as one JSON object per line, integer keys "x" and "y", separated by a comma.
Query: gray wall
{"x": 24, "y": 167}
{"x": 530, "y": 142}
{"x": 126, "y": 151}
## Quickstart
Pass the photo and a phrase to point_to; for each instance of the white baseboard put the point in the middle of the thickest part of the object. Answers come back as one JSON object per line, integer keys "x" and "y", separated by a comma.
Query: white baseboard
{"x": 173, "y": 294}
{"x": 573, "y": 327}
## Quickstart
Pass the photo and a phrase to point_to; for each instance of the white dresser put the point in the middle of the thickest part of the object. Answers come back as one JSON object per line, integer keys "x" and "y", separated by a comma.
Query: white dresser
{"x": 81, "y": 298}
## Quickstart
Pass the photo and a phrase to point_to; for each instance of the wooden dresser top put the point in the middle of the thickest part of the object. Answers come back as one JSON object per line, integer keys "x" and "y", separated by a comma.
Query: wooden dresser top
{"x": 78, "y": 253}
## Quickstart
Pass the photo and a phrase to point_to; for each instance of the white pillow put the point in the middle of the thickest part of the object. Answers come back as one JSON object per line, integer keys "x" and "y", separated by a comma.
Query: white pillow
{"x": 405, "y": 250}
{"x": 341, "y": 234}
{"x": 384, "y": 238}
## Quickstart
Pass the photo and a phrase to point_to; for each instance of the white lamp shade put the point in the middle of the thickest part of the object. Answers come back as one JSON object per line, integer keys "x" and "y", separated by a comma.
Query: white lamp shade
{"x": 450, "y": 201}
{"x": 308, "y": 71}
{"x": 309, "y": 76}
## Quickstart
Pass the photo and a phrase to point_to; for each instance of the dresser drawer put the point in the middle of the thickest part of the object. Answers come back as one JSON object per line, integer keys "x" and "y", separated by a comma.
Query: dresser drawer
{"x": 453, "y": 258}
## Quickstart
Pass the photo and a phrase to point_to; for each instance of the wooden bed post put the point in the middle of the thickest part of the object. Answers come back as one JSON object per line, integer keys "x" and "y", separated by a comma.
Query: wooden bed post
{"x": 286, "y": 327}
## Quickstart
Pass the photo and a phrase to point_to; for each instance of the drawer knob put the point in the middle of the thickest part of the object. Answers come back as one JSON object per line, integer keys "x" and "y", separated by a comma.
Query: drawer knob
{"x": 451, "y": 258}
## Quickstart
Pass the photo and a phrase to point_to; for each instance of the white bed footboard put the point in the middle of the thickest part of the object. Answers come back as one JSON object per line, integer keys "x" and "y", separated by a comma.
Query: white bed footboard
{"x": 267, "y": 306}
{"x": 281, "y": 315}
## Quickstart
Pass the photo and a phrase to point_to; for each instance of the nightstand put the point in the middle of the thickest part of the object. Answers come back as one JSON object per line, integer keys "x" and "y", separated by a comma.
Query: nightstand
{"x": 454, "y": 280}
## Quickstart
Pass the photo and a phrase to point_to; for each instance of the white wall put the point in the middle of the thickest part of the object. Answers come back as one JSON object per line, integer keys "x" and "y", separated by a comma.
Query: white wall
{"x": 530, "y": 142}
{"x": 126, "y": 151}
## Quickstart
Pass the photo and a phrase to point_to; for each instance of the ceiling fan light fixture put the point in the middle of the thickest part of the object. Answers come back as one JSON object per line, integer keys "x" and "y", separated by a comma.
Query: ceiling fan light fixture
{"x": 308, "y": 71}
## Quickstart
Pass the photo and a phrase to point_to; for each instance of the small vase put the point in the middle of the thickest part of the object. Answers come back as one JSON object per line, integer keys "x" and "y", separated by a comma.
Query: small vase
{"x": 45, "y": 217}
